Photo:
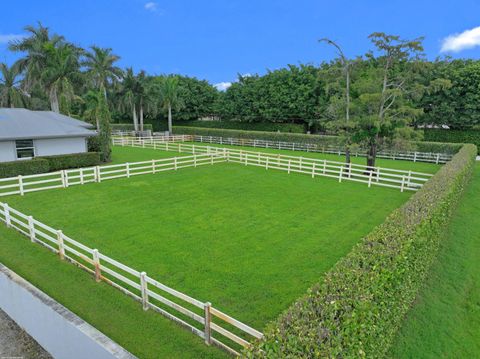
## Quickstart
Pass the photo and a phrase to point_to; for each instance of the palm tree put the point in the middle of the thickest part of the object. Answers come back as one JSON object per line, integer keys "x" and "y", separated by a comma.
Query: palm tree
{"x": 35, "y": 46}
{"x": 170, "y": 97}
{"x": 129, "y": 95}
{"x": 11, "y": 95}
{"x": 100, "y": 67}
{"x": 60, "y": 74}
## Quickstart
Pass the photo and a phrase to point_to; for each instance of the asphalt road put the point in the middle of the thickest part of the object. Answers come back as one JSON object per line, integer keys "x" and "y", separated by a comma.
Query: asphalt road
{"x": 15, "y": 343}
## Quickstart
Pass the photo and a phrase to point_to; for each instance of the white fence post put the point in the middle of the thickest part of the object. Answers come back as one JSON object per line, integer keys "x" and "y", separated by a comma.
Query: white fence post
{"x": 62, "y": 177}
{"x": 313, "y": 170}
{"x": 8, "y": 220}
{"x": 340, "y": 174}
{"x": 415, "y": 157}
{"x": 81, "y": 176}
{"x": 324, "y": 166}
{"x": 208, "y": 320}
{"x": 61, "y": 247}
{"x": 289, "y": 164}
{"x": 403, "y": 184}
{"x": 143, "y": 287}
{"x": 31, "y": 228}
{"x": 127, "y": 165}
{"x": 153, "y": 166}
{"x": 266, "y": 163}
{"x": 20, "y": 185}
{"x": 438, "y": 158}
{"x": 370, "y": 179}
{"x": 175, "y": 163}
{"x": 96, "y": 264}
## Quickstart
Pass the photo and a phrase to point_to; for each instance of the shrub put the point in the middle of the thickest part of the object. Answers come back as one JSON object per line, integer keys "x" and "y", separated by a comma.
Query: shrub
{"x": 74, "y": 160}
{"x": 272, "y": 136}
{"x": 247, "y": 126}
{"x": 321, "y": 140}
{"x": 457, "y": 136}
{"x": 25, "y": 167}
{"x": 359, "y": 306}
{"x": 129, "y": 127}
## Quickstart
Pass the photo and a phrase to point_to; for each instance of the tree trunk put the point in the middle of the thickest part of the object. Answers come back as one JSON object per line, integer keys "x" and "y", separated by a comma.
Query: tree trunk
{"x": 170, "y": 132}
{"x": 54, "y": 100}
{"x": 135, "y": 120}
{"x": 141, "y": 116}
{"x": 372, "y": 154}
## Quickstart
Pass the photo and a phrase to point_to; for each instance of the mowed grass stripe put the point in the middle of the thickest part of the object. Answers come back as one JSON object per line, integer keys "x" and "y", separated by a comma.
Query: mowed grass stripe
{"x": 248, "y": 240}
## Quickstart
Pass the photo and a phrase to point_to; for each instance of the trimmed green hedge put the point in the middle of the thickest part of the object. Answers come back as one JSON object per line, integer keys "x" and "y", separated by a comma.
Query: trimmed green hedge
{"x": 272, "y": 136}
{"x": 129, "y": 127}
{"x": 359, "y": 306}
{"x": 436, "y": 147}
{"x": 24, "y": 167}
{"x": 246, "y": 126}
{"x": 74, "y": 160}
{"x": 48, "y": 164}
{"x": 458, "y": 136}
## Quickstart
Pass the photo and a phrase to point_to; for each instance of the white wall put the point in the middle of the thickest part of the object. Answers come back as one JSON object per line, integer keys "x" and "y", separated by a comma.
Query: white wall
{"x": 7, "y": 151}
{"x": 59, "y": 331}
{"x": 60, "y": 146}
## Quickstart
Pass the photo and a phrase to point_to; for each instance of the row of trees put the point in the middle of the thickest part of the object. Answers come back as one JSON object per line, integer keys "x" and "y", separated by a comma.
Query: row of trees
{"x": 373, "y": 99}
{"x": 56, "y": 75}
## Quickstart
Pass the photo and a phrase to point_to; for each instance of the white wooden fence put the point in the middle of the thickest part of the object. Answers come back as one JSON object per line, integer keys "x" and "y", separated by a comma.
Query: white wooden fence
{"x": 373, "y": 176}
{"x": 79, "y": 176}
{"x": 395, "y": 155}
{"x": 204, "y": 320}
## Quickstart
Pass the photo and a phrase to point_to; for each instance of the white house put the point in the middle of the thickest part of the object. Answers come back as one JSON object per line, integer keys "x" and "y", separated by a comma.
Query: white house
{"x": 26, "y": 134}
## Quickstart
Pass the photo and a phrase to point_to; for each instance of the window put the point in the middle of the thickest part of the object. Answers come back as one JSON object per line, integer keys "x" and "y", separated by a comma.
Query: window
{"x": 25, "y": 149}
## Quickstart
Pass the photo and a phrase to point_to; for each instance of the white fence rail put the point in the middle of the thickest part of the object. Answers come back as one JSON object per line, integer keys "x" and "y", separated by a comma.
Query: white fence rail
{"x": 79, "y": 176}
{"x": 415, "y": 156}
{"x": 373, "y": 176}
{"x": 209, "y": 323}
{"x": 292, "y": 146}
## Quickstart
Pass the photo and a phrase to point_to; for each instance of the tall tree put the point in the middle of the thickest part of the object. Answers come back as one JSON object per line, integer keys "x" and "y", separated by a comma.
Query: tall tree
{"x": 170, "y": 99}
{"x": 343, "y": 126}
{"x": 11, "y": 95}
{"x": 35, "y": 47}
{"x": 100, "y": 68}
{"x": 387, "y": 91}
{"x": 128, "y": 95}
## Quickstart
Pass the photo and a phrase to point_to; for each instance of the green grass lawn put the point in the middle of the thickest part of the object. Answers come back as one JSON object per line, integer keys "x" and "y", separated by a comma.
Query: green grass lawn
{"x": 248, "y": 240}
{"x": 445, "y": 321}
{"x": 136, "y": 154}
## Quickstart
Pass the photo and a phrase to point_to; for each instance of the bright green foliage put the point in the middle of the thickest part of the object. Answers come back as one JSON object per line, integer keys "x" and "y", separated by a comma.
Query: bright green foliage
{"x": 357, "y": 309}
{"x": 445, "y": 321}
{"x": 234, "y": 235}
{"x": 28, "y": 167}
{"x": 104, "y": 128}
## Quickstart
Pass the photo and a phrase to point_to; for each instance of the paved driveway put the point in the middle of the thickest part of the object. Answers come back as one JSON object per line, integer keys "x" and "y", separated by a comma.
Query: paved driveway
{"x": 15, "y": 343}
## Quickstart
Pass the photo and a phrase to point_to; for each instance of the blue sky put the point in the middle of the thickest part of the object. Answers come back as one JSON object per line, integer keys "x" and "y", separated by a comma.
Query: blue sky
{"x": 216, "y": 40}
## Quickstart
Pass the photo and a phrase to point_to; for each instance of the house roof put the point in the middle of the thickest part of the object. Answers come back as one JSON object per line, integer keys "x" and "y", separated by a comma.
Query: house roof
{"x": 20, "y": 123}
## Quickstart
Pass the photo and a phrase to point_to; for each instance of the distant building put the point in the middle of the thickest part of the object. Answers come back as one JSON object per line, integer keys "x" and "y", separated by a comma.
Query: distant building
{"x": 25, "y": 134}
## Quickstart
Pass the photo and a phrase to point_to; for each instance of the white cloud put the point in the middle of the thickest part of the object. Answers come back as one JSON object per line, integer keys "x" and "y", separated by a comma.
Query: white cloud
{"x": 465, "y": 40}
{"x": 5, "y": 39}
{"x": 223, "y": 86}
{"x": 151, "y": 6}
